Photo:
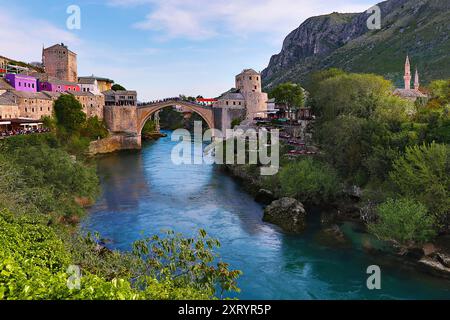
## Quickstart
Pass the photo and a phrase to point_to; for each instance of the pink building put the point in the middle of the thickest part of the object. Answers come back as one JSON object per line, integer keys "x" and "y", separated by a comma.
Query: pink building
{"x": 48, "y": 83}
{"x": 22, "y": 82}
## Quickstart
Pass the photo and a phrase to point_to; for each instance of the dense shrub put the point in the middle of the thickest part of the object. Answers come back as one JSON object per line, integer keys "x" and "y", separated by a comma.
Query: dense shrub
{"x": 423, "y": 173}
{"x": 309, "y": 180}
{"x": 404, "y": 221}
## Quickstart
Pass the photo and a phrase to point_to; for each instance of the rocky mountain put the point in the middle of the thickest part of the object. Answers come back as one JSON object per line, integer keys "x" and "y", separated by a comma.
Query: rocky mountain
{"x": 420, "y": 28}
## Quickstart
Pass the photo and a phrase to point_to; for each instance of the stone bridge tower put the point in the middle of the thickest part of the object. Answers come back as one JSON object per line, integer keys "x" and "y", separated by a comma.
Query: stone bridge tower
{"x": 248, "y": 83}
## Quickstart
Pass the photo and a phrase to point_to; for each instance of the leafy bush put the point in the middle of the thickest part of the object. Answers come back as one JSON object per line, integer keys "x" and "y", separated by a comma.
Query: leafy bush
{"x": 404, "y": 221}
{"x": 34, "y": 262}
{"x": 309, "y": 181}
{"x": 94, "y": 128}
{"x": 423, "y": 173}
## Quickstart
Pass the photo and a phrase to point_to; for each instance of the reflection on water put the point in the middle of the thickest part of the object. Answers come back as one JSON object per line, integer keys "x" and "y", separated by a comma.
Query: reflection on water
{"x": 144, "y": 193}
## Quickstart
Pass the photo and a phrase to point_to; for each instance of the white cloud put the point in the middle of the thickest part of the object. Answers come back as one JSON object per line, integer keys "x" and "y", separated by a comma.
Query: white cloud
{"x": 204, "y": 19}
{"x": 20, "y": 41}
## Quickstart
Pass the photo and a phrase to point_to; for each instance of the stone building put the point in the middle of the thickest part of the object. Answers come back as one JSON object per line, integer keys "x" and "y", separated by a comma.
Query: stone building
{"x": 33, "y": 105}
{"x": 407, "y": 92}
{"x": 89, "y": 84}
{"x": 8, "y": 109}
{"x": 120, "y": 98}
{"x": 98, "y": 84}
{"x": 248, "y": 82}
{"x": 230, "y": 106}
{"x": 93, "y": 105}
{"x": 246, "y": 101}
{"x": 60, "y": 62}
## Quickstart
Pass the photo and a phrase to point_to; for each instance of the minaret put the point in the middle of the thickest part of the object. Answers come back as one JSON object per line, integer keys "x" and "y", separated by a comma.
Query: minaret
{"x": 43, "y": 57}
{"x": 416, "y": 81}
{"x": 407, "y": 76}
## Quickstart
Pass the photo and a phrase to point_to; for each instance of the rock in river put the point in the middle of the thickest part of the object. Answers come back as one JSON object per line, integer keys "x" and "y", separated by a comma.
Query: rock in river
{"x": 287, "y": 213}
{"x": 264, "y": 196}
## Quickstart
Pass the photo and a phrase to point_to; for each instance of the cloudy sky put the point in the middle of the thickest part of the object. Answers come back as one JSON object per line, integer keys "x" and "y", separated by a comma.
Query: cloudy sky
{"x": 162, "y": 47}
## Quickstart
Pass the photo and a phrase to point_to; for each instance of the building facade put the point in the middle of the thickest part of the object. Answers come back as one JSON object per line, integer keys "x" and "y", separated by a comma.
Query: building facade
{"x": 120, "y": 98}
{"x": 89, "y": 84}
{"x": 52, "y": 84}
{"x": 93, "y": 105}
{"x": 22, "y": 82}
{"x": 60, "y": 62}
{"x": 8, "y": 109}
{"x": 32, "y": 105}
{"x": 102, "y": 84}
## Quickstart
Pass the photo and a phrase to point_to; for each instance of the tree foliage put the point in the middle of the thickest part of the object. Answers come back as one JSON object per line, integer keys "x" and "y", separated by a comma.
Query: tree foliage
{"x": 309, "y": 180}
{"x": 289, "y": 94}
{"x": 117, "y": 87}
{"x": 405, "y": 221}
{"x": 423, "y": 173}
{"x": 69, "y": 113}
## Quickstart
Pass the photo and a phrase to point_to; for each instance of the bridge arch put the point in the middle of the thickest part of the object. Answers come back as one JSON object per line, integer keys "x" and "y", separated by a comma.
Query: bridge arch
{"x": 144, "y": 112}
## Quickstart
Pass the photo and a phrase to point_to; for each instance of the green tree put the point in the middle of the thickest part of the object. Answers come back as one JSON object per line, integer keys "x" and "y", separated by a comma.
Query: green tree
{"x": 404, "y": 221}
{"x": 289, "y": 94}
{"x": 117, "y": 87}
{"x": 350, "y": 94}
{"x": 423, "y": 173}
{"x": 69, "y": 113}
{"x": 94, "y": 128}
{"x": 309, "y": 180}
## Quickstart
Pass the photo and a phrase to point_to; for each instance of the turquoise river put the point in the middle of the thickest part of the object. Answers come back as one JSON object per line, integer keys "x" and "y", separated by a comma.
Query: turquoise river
{"x": 145, "y": 193}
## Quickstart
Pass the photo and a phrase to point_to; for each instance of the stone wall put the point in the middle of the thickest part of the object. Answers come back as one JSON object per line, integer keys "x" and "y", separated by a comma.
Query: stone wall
{"x": 115, "y": 143}
{"x": 122, "y": 119}
{"x": 256, "y": 103}
{"x": 9, "y": 111}
{"x": 224, "y": 116}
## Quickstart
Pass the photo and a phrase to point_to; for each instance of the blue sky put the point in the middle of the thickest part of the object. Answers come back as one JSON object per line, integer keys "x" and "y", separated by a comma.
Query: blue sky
{"x": 162, "y": 47}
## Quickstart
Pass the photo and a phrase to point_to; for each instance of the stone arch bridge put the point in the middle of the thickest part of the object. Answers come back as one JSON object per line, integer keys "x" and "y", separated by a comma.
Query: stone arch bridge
{"x": 126, "y": 122}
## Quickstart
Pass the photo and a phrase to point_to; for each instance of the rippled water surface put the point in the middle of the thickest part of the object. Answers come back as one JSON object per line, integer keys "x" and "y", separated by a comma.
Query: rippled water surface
{"x": 144, "y": 193}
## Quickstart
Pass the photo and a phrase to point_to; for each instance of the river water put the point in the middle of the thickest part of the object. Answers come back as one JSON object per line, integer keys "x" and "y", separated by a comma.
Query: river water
{"x": 145, "y": 193}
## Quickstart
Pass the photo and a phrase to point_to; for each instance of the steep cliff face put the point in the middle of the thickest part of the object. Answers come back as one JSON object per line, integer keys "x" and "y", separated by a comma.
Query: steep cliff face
{"x": 418, "y": 27}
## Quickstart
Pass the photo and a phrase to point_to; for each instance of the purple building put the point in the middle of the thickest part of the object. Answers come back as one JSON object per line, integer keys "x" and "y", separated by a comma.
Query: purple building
{"x": 22, "y": 82}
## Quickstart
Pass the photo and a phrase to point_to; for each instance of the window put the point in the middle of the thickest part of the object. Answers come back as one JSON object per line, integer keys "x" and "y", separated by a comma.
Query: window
{"x": 234, "y": 103}
{"x": 26, "y": 109}
{"x": 250, "y": 78}
{"x": 41, "y": 109}
{"x": 226, "y": 103}
{"x": 32, "y": 109}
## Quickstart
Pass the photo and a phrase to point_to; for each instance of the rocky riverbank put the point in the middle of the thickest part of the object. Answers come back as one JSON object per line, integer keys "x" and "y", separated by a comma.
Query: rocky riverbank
{"x": 291, "y": 215}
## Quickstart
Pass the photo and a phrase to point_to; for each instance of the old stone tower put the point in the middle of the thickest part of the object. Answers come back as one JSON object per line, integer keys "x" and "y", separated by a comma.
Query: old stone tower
{"x": 248, "y": 83}
{"x": 60, "y": 62}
